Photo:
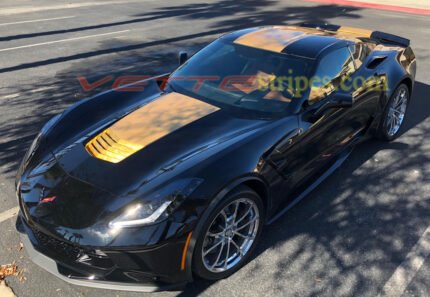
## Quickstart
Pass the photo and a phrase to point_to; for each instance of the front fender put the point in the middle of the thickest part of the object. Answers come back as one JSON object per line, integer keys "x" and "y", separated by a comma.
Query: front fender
{"x": 211, "y": 206}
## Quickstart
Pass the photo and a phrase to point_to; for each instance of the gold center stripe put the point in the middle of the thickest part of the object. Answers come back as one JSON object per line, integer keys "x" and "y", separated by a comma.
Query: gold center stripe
{"x": 277, "y": 38}
{"x": 272, "y": 39}
{"x": 354, "y": 32}
{"x": 146, "y": 125}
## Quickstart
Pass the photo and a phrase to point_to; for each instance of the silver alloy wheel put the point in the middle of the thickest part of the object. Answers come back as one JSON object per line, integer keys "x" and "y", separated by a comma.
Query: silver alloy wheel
{"x": 396, "y": 112}
{"x": 230, "y": 235}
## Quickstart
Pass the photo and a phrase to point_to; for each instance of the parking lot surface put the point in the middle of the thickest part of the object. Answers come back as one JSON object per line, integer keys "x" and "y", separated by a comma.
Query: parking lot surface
{"x": 363, "y": 232}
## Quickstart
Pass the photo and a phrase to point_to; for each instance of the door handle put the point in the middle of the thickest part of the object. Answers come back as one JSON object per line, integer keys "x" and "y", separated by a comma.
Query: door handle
{"x": 288, "y": 140}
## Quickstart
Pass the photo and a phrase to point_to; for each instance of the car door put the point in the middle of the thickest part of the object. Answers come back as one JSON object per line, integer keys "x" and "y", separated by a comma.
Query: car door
{"x": 322, "y": 136}
{"x": 365, "y": 83}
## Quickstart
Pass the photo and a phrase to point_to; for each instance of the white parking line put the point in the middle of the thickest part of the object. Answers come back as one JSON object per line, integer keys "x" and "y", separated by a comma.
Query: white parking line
{"x": 62, "y": 40}
{"x": 38, "y": 20}
{"x": 9, "y": 214}
{"x": 404, "y": 274}
{"x": 10, "y": 96}
{"x": 27, "y": 9}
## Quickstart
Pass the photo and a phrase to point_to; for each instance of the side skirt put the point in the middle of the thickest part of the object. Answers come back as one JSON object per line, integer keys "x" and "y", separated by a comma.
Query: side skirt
{"x": 339, "y": 162}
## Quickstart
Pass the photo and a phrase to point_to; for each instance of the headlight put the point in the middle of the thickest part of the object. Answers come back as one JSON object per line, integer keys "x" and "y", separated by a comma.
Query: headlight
{"x": 157, "y": 206}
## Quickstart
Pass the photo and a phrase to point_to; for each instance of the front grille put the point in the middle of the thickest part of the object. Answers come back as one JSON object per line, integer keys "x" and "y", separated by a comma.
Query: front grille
{"x": 56, "y": 246}
{"x": 107, "y": 146}
{"x": 71, "y": 254}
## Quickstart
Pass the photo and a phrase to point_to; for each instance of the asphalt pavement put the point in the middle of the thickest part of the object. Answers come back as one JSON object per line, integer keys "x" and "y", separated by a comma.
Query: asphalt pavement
{"x": 363, "y": 232}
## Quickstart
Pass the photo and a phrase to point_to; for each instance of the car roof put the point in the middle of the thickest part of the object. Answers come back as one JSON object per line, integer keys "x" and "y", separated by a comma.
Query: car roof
{"x": 295, "y": 40}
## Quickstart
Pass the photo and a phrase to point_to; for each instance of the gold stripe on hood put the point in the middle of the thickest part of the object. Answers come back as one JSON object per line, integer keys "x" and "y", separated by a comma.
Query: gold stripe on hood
{"x": 146, "y": 125}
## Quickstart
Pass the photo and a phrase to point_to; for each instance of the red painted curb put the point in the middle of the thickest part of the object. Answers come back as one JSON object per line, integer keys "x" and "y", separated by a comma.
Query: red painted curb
{"x": 420, "y": 11}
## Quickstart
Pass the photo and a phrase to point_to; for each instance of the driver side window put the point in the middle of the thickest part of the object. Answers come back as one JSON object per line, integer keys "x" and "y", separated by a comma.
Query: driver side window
{"x": 332, "y": 70}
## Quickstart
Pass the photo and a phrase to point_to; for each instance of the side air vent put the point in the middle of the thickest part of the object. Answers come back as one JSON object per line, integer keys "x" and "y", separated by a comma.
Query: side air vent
{"x": 107, "y": 146}
{"x": 375, "y": 62}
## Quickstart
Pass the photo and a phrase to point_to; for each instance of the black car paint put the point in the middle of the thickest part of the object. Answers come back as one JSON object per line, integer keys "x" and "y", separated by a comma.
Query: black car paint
{"x": 278, "y": 157}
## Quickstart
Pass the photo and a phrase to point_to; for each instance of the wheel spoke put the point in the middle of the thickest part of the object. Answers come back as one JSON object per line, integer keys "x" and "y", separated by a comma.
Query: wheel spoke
{"x": 235, "y": 211}
{"x": 398, "y": 104}
{"x": 212, "y": 247}
{"x": 219, "y": 254}
{"x": 244, "y": 236}
{"x": 397, "y": 112}
{"x": 211, "y": 234}
{"x": 238, "y": 248}
{"x": 392, "y": 119}
{"x": 400, "y": 95}
{"x": 246, "y": 224}
{"x": 393, "y": 124}
{"x": 227, "y": 254}
{"x": 225, "y": 217}
{"x": 396, "y": 101}
{"x": 244, "y": 216}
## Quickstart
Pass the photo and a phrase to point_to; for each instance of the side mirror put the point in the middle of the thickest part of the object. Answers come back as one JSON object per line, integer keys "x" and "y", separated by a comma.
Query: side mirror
{"x": 338, "y": 100}
{"x": 182, "y": 57}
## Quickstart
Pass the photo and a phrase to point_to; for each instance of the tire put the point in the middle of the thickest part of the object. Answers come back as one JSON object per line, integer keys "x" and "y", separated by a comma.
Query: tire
{"x": 389, "y": 130}
{"x": 216, "y": 236}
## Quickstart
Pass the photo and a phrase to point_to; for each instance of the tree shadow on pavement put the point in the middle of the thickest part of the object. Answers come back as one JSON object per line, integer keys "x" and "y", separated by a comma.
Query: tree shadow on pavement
{"x": 343, "y": 234}
{"x": 245, "y": 14}
{"x": 190, "y": 11}
{"x": 236, "y": 15}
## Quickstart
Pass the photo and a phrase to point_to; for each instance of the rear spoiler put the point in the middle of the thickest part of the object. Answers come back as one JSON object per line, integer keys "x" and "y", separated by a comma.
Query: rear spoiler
{"x": 389, "y": 38}
{"x": 377, "y": 36}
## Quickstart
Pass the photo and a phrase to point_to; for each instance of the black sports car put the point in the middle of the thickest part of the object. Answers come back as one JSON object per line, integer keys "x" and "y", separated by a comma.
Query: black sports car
{"x": 146, "y": 190}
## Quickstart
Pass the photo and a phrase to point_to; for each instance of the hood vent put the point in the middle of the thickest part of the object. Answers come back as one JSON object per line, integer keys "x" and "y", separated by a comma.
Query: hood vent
{"x": 107, "y": 146}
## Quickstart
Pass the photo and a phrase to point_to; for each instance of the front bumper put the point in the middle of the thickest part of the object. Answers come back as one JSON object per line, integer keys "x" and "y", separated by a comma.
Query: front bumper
{"x": 127, "y": 271}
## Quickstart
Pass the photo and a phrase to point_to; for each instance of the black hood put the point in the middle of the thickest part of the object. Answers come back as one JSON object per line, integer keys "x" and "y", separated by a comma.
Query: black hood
{"x": 158, "y": 156}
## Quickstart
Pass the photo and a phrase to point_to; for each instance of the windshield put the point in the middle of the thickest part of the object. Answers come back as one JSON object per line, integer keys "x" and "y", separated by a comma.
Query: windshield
{"x": 232, "y": 75}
